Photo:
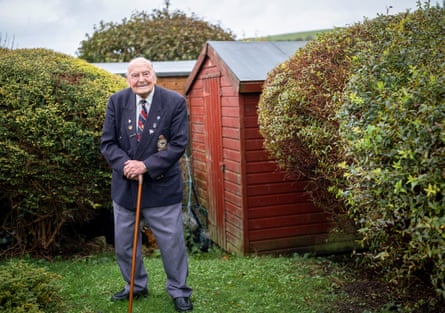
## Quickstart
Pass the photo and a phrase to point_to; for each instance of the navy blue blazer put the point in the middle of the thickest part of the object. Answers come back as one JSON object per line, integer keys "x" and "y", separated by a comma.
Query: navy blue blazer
{"x": 168, "y": 117}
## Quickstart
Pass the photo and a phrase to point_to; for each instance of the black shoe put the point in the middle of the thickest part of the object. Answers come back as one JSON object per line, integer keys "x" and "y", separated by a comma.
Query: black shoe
{"x": 125, "y": 294}
{"x": 183, "y": 304}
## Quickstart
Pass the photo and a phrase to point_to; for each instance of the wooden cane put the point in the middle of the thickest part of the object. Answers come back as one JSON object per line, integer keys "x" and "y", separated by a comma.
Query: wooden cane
{"x": 135, "y": 241}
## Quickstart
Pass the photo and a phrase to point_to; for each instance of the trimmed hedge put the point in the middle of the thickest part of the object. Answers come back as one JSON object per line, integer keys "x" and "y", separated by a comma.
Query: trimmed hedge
{"x": 360, "y": 112}
{"x": 393, "y": 127}
{"x": 298, "y": 113}
{"x": 51, "y": 114}
{"x": 25, "y": 287}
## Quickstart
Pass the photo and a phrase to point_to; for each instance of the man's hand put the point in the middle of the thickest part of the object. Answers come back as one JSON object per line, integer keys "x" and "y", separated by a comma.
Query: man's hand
{"x": 134, "y": 168}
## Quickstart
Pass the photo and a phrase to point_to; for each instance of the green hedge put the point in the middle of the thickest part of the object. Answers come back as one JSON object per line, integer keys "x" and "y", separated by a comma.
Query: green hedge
{"x": 298, "y": 112}
{"x": 25, "y": 287}
{"x": 393, "y": 126}
{"x": 51, "y": 113}
{"x": 360, "y": 113}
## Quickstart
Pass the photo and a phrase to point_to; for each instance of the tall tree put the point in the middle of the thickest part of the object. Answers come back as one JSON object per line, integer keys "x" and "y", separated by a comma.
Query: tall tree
{"x": 159, "y": 36}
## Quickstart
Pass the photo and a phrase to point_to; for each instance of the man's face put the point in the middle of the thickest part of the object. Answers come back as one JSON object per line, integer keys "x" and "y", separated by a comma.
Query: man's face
{"x": 141, "y": 78}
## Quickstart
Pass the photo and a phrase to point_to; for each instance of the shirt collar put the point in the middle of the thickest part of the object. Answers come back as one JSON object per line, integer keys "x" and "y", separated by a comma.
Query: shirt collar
{"x": 149, "y": 98}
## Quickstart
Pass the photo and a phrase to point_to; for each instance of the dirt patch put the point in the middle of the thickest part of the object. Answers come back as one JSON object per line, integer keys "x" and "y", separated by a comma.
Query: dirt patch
{"x": 364, "y": 294}
{"x": 361, "y": 295}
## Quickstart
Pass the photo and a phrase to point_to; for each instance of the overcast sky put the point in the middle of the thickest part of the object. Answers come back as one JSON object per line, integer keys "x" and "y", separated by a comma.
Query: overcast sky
{"x": 61, "y": 25}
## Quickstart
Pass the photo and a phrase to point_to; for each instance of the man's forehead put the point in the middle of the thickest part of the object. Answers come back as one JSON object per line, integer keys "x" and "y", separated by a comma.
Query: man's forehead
{"x": 139, "y": 66}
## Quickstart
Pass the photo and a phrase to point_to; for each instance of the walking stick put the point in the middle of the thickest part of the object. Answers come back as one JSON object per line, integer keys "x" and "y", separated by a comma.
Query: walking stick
{"x": 135, "y": 241}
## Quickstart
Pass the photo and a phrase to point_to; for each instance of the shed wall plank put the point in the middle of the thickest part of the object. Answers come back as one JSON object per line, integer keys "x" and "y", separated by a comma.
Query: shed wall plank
{"x": 282, "y": 209}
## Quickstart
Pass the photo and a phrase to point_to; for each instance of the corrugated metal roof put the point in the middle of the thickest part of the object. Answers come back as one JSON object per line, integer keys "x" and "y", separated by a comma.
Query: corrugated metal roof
{"x": 162, "y": 68}
{"x": 251, "y": 61}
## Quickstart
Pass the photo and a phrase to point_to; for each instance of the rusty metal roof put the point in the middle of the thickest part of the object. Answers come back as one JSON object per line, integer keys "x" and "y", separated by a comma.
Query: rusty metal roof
{"x": 251, "y": 61}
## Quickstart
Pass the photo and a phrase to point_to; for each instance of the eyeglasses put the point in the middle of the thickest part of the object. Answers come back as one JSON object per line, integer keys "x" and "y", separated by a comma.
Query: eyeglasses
{"x": 146, "y": 74}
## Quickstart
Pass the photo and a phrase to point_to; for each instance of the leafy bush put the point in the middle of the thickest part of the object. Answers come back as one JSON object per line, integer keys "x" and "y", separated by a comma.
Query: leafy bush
{"x": 159, "y": 36}
{"x": 298, "y": 107}
{"x": 51, "y": 113}
{"x": 393, "y": 126}
{"x": 360, "y": 112}
{"x": 27, "y": 288}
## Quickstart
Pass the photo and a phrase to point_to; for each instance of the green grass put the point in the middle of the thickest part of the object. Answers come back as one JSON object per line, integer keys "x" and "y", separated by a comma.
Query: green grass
{"x": 224, "y": 283}
{"x": 220, "y": 282}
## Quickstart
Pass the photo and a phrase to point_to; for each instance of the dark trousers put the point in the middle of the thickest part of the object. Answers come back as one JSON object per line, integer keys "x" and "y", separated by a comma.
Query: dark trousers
{"x": 167, "y": 227}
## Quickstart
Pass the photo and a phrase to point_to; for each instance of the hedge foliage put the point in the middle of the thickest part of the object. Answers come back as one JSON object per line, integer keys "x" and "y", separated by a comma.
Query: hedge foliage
{"x": 26, "y": 287}
{"x": 51, "y": 114}
{"x": 298, "y": 107}
{"x": 161, "y": 35}
{"x": 393, "y": 126}
{"x": 360, "y": 112}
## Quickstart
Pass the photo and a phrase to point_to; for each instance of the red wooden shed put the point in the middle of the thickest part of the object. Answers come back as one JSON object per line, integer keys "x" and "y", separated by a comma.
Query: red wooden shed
{"x": 253, "y": 207}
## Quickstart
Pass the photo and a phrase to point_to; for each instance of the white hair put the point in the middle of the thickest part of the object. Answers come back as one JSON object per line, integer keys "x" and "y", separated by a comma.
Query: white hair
{"x": 139, "y": 60}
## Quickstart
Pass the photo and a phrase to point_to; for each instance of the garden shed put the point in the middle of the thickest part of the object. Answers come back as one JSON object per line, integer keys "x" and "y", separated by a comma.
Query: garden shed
{"x": 253, "y": 206}
{"x": 171, "y": 74}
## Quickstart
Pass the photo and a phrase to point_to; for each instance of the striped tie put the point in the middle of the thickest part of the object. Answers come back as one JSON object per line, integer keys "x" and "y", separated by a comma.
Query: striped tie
{"x": 142, "y": 119}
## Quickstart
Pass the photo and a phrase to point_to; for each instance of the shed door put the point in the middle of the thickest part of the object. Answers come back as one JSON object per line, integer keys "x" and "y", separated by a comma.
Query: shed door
{"x": 212, "y": 104}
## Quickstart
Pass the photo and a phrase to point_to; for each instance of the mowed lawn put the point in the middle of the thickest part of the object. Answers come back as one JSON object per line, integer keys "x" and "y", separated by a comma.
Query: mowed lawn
{"x": 220, "y": 282}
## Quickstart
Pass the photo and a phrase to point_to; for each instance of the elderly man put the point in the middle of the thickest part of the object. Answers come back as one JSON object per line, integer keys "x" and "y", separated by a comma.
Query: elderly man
{"x": 145, "y": 132}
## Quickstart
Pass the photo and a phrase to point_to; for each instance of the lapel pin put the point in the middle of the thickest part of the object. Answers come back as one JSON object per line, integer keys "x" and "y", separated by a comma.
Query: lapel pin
{"x": 130, "y": 127}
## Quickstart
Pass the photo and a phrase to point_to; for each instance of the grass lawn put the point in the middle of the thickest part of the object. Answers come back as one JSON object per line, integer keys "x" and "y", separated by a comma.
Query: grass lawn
{"x": 224, "y": 283}
{"x": 220, "y": 282}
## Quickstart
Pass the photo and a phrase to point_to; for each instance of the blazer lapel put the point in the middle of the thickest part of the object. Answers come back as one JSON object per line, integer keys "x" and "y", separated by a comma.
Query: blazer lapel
{"x": 129, "y": 118}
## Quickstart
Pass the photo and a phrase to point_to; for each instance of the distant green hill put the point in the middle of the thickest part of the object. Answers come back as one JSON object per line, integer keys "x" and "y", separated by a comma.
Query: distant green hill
{"x": 306, "y": 35}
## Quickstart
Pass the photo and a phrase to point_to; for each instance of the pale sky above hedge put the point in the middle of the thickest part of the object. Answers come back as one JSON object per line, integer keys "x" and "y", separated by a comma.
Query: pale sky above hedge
{"x": 61, "y": 25}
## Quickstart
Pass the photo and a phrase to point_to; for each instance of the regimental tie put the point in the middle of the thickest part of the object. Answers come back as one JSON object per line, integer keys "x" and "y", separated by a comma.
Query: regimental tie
{"x": 142, "y": 118}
